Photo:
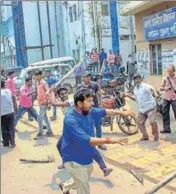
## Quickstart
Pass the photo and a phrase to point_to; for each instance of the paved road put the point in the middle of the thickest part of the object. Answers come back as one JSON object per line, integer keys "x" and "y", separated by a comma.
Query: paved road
{"x": 150, "y": 159}
{"x": 21, "y": 178}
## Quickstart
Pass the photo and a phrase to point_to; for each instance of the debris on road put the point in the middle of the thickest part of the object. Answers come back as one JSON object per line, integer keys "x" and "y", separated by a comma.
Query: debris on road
{"x": 162, "y": 183}
{"x": 49, "y": 160}
{"x": 139, "y": 178}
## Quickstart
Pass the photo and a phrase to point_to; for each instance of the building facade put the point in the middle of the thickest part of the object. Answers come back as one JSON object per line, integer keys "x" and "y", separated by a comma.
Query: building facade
{"x": 155, "y": 23}
{"x": 88, "y": 25}
{"x": 31, "y": 31}
{"x": 37, "y": 30}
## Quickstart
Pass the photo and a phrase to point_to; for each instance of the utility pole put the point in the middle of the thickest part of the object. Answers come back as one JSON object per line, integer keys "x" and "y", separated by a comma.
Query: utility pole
{"x": 95, "y": 22}
{"x": 97, "y": 25}
{"x": 83, "y": 27}
{"x": 114, "y": 26}
{"x": 68, "y": 31}
{"x": 132, "y": 34}
{"x": 57, "y": 31}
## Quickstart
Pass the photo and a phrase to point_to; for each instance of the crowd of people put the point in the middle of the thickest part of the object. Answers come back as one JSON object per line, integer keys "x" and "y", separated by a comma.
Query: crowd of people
{"x": 82, "y": 130}
{"x": 99, "y": 62}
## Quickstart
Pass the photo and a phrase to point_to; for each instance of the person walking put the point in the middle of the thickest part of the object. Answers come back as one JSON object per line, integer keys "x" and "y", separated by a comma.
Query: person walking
{"x": 78, "y": 130}
{"x": 79, "y": 70}
{"x": 143, "y": 95}
{"x": 169, "y": 98}
{"x": 51, "y": 81}
{"x": 95, "y": 59}
{"x": 67, "y": 105}
{"x": 43, "y": 101}
{"x": 7, "y": 117}
{"x": 103, "y": 57}
{"x": 11, "y": 86}
{"x": 87, "y": 83}
{"x": 25, "y": 101}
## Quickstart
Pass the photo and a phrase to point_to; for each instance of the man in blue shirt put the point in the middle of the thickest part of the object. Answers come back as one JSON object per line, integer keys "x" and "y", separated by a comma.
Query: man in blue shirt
{"x": 97, "y": 100}
{"x": 79, "y": 70}
{"x": 68, "y": 104}
{"x": 103, "y": 57}
{"x": 51, "y": 81}
{"x": 78, "y": 141}
{"x": 105, "y": 71}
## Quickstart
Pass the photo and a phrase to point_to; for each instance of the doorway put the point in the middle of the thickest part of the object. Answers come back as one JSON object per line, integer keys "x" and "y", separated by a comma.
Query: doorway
{"x": 156, "y": 59}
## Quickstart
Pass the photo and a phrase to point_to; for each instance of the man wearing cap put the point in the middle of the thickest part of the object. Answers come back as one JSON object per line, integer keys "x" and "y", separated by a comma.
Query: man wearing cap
{"x": 97, "y": 100}
{"x": 51, "y": 81}
{"x": 11, "y": 86}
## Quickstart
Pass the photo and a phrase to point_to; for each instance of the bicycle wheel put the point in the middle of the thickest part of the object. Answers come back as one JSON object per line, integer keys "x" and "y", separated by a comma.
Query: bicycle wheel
{"x": 127, "y": 125}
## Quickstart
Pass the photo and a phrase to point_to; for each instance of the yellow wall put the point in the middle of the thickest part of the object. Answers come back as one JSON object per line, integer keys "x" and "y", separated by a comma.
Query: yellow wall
{"x": 141, "y": 44}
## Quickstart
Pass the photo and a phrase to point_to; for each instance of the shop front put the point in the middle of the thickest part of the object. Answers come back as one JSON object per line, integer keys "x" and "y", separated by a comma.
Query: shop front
{"x": 155, "y": 36}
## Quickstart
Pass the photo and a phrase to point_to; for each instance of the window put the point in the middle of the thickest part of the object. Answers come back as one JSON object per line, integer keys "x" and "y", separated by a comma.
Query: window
{"x": 104, "y": 9}
{"x": 124, "y": 37}
{"x": 70, "y": 14}
{"x": 73, "y": 53}
{"x": 75, "y": 12}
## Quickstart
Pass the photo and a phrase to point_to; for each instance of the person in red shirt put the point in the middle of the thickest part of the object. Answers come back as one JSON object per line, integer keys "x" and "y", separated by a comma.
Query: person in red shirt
{"x": 43, "y": 101}
{"x": 95, "y": 59}
{"x": 25, "y": 101}
{"x": 11, "y": 86}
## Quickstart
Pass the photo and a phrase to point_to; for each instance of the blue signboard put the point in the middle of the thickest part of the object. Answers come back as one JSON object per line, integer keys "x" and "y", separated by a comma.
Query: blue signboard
{"x": 160, "y": 25}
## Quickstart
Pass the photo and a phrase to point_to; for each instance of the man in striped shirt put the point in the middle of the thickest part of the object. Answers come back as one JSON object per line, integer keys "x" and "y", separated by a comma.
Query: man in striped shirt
{"x": 111, "y": 57}
{"x": 95, "y": 59}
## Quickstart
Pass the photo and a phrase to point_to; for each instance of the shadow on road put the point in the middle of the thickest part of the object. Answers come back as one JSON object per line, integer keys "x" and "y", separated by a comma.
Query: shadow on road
{"x": 107, "y": 183}
{"x": 60, "y": 176}
{"x": 26, "y": 135}
{"x": 5, "y": 150}
{"x": 42, "y": 142}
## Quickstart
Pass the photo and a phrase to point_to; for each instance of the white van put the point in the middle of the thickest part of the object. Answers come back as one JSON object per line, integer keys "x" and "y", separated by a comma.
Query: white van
{"x": 59, "y": 67}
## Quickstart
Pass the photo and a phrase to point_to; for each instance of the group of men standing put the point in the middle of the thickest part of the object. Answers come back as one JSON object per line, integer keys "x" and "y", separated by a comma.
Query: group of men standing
{"x": 96, "y": 59}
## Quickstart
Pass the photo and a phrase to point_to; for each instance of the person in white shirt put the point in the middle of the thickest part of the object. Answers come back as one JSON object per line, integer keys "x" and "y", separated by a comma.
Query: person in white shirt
{"x": 143, "y": 95}
{"x": 7, "y": 117}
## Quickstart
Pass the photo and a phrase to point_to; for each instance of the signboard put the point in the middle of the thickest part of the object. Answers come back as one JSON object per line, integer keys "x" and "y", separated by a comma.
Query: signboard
{"x": 160, "y": 25}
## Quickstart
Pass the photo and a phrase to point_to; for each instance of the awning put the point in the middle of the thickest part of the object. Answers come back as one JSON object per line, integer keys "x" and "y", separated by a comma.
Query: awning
{"x": 134, "y": 7}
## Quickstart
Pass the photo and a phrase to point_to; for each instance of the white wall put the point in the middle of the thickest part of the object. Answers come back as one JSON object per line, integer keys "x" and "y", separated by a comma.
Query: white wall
{"x": 75, "y": 30}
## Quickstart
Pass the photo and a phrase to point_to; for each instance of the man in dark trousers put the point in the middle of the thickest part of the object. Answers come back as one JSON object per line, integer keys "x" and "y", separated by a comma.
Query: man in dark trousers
{"x": 103, "y": 57}
{"x": 169, "y": 99}
{"x": 7, "y": 117}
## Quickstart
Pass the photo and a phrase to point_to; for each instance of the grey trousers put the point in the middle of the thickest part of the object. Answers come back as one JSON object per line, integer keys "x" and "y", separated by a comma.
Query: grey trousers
{"x": 80, "y": 175}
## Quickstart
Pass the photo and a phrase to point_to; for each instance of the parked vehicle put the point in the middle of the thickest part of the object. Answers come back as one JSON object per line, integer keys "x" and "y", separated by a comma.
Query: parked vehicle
{"x": 59, "y": 68}
{"x": 127, "y": 125}
{"x": 113, "y": 98}
{"x": 117, "y": 82}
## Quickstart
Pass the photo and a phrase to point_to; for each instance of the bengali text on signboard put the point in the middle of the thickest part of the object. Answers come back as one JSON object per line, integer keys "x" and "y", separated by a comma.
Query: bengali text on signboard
{"x": 160, "y": 25}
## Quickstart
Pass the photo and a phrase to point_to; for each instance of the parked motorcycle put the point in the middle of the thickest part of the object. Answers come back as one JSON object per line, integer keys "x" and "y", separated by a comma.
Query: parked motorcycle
{"x": 113, "y": 98}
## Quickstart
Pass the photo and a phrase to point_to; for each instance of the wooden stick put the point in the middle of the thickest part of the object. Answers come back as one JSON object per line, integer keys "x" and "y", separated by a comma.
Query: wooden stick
{"x": 49, "y": 160}
{"x": 162, "y": 183}
{"x": 140, "y": 179}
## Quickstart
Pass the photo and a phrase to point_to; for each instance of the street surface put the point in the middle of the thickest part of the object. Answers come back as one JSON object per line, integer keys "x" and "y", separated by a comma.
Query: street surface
{"x": 152, "y": 160}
